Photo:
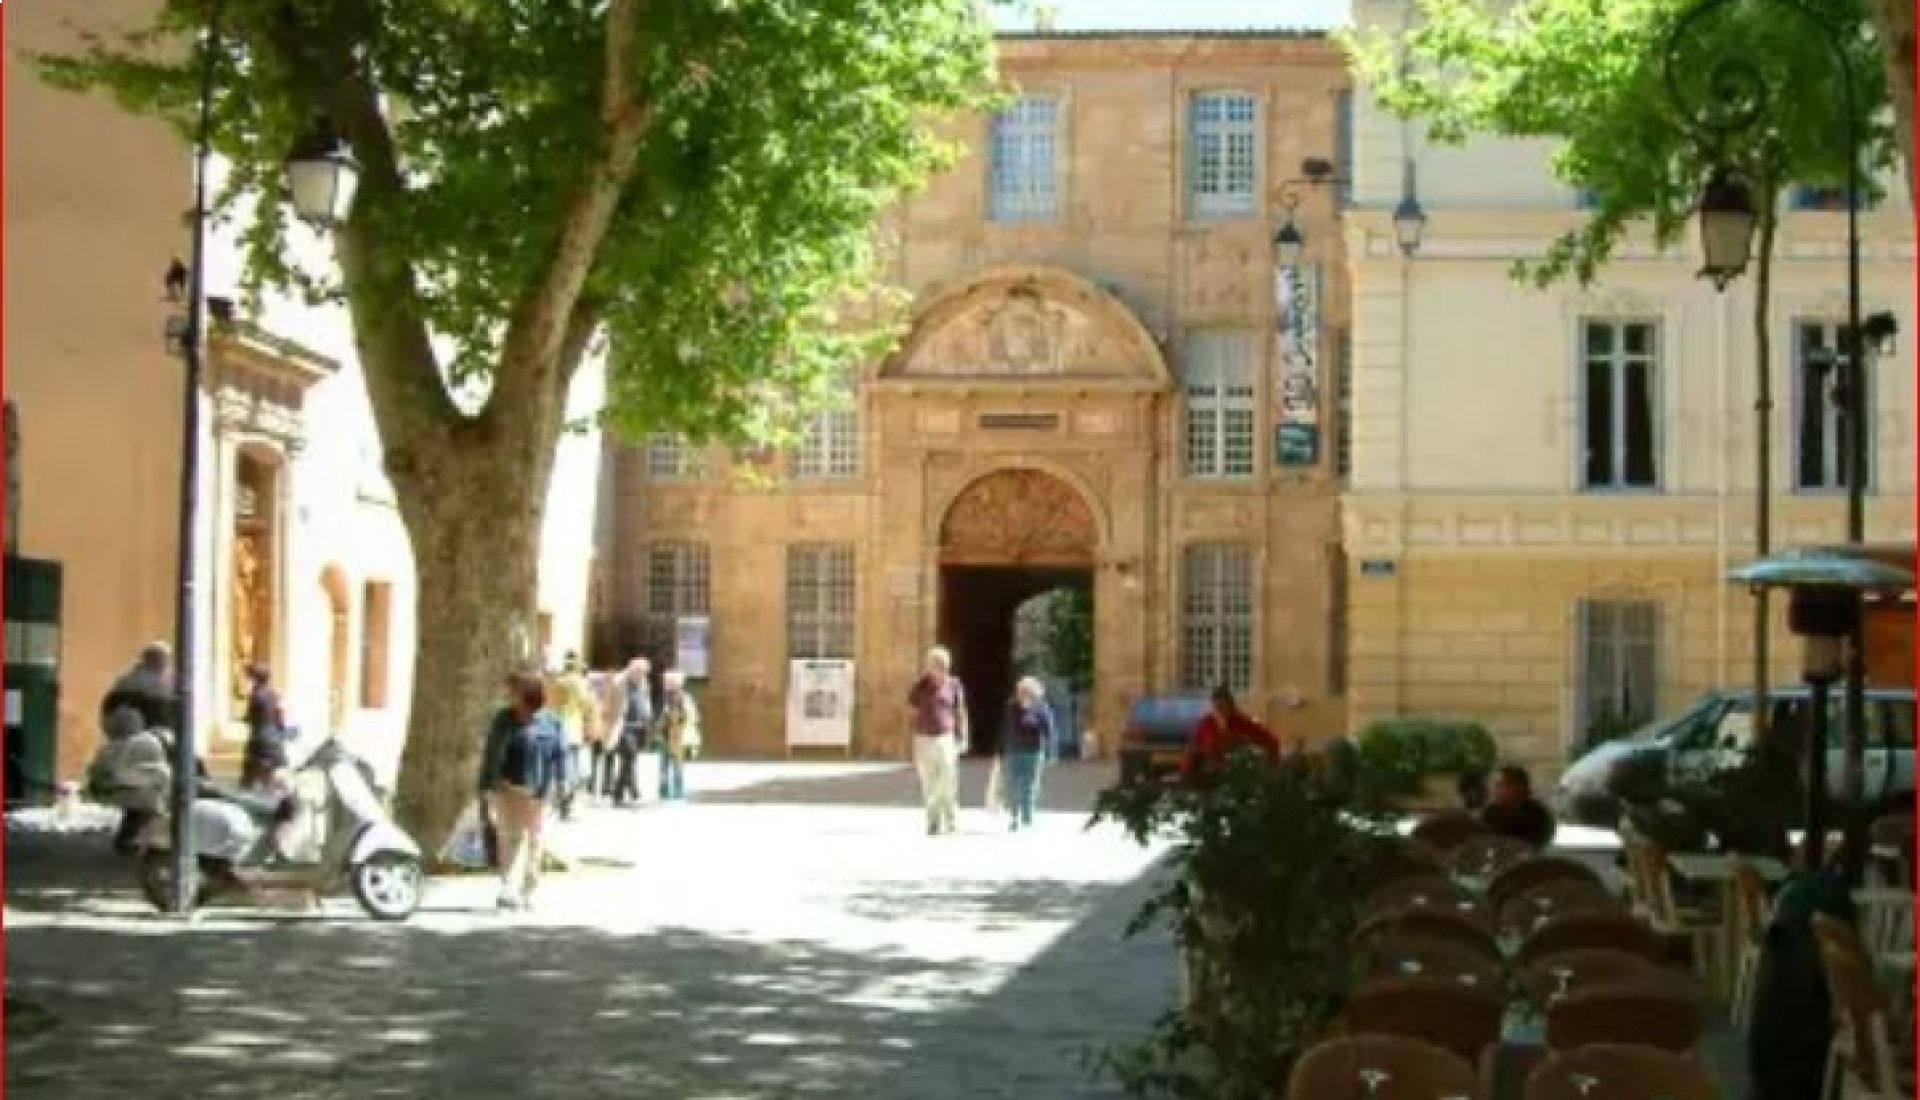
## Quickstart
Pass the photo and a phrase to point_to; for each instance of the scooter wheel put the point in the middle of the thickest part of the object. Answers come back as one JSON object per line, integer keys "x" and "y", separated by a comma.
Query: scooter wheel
{"x": 388, "y": 885}
{"x": 156, "y": 881}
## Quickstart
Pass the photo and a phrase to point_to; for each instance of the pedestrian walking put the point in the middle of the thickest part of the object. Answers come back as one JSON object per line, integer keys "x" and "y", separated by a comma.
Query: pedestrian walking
{"x": 677, "y": 734}
{"x": 1025, "y": 744}
{"x": 266, "y": 751}
{"x": 608, "y": 699}
{"x": 636, "y": 720}
{"x": 938, "y": 720}
{"x": 573, "y": 702}
{"x": 523, "y": 770}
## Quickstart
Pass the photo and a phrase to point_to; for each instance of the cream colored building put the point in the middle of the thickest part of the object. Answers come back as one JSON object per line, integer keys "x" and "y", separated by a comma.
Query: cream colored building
{"x": 1093, "y": 392}
{"x": 304, "y": 563}
{"x": 1547, "y": 486}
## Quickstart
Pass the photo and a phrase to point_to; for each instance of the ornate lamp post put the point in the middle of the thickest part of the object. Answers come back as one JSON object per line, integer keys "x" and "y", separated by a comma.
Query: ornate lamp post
{"x": 1741, "y": 97}
{"x": 321, "y": 177}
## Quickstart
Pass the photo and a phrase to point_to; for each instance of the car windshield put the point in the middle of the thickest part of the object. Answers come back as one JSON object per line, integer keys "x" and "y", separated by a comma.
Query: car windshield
{"x": 1659, "y": 728}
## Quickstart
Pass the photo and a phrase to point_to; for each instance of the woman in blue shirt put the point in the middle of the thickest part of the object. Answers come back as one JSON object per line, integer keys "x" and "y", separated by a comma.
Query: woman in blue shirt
{"x": 1025, "y": 744}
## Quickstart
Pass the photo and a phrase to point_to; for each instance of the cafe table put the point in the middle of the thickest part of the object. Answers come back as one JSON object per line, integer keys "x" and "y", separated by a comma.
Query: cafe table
{"x": 1715, "y": 871}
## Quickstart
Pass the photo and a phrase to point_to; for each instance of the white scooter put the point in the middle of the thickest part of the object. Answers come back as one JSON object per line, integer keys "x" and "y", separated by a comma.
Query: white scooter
{"x": 331, "y": 827}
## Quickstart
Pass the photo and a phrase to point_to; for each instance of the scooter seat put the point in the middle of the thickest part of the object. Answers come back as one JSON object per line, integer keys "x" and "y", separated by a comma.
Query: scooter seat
{"x": 261, "y": 807}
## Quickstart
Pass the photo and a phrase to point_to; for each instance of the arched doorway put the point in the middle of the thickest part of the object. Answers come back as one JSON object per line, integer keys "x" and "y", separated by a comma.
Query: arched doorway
{"x": 1008, "y": 537}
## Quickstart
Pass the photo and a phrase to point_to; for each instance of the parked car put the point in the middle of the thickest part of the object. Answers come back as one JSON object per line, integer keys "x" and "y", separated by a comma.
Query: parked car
{"x": 1158, "y": 729}
{"x": 1715, "y": 734}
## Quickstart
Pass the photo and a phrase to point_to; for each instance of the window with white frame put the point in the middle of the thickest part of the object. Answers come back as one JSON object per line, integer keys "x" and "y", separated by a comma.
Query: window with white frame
{"x": 1223, "y": 154}
{"x": 820, "y": 600}
{"x": 1820, "y": 424}
{"x": 677, "y": 584}
{"x": 1619, "y": 404}
{"x": 1218, "y": 374}
{"x": 1024, "y": 149}
{"x": 1216, "y": 616}
{"x": 1617, "y": 667}
{"x": 669, "y": 458}
{"x": 830, "y": 442}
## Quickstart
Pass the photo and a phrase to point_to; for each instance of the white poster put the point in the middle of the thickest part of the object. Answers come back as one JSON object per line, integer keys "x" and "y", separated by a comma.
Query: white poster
{"x": 820, "y": 704}
{"x": 692, "y": 635}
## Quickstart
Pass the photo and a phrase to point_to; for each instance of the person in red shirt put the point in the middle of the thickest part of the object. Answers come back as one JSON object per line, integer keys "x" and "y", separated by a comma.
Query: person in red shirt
{"x": 1225, "y": 728}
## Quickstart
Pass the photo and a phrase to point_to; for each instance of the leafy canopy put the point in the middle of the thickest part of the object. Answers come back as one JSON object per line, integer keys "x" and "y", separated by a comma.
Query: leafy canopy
{"x": 778, "y": 132}
{"x": 1759, "y": 92}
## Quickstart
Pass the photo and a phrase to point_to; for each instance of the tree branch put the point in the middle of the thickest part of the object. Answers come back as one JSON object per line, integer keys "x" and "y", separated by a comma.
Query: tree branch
{"x": 409, "y": 395}
{"x": 532, "y": 367}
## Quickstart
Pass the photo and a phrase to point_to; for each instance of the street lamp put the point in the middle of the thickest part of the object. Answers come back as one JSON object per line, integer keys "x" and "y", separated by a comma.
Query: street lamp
{"x": 1742, "y": 94}
{"x": 1727, "y": 219}
{"x": 1825, "y": 589}
{"x": 1290, "y": 244}
{"x": 321, "y": 176}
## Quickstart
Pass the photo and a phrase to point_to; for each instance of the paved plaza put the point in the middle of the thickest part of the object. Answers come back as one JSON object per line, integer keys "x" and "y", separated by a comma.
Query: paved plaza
{"x": 791, "y": 933}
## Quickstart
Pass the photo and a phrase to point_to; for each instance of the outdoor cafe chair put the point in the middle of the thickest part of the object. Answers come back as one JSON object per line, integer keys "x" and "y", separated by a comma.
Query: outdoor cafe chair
{"x": 1444, "y": 924}
{"x": 1379, "y": 1067}
{"x": 1620, "y": 1071}
{"x": 1659, "y": 1013}
{"x": 1430, "y": 891}
{"x": 1391, "y": 955}
{"x": 1523, "y": 913}
{"x": 1518, "y": 878}
{"x": 1751, "y": 907}
{"x": 1550, "y": 977}
{"x": 1892, "y": 838}
{"x": 1620, "y": 931}
{"x": 1448, "y": 829}
{"x": 1654, "y": 900}
{"x": 1439, "y": 1010}
{"x": 1484, "y": 857}
{"x": 1860, "y": 1060}
{"x": 1388, "y": 859}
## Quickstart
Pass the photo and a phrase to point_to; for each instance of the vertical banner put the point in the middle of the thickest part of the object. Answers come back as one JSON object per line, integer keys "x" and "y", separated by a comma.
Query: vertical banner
{"x": 692, "y": 641}
{"x": 820, "y": 704}
{"x": 1296, "y": 290}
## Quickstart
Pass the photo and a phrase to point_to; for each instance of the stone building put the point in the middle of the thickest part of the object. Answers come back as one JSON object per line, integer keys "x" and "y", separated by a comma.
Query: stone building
{"x": 1104, "y": 385}
{"x": 303, "y": 562}
{"x": 1549, "y": 486}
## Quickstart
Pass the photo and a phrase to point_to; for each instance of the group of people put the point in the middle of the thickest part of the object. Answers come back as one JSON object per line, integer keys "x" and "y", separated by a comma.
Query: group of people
{"x": 942, "y": 731}
{"x": 570, "y": 734}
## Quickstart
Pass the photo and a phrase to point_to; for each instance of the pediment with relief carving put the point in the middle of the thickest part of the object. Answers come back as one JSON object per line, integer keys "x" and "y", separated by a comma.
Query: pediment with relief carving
{"x": 1033, "y": 325}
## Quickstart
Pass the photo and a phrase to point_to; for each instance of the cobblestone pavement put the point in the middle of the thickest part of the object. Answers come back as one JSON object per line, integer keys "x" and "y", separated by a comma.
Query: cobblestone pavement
{"x": 791, "y": 933}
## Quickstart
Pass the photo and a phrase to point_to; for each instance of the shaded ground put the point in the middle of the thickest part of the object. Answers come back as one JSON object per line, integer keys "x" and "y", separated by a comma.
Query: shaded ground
{"x": 763, "y": 944}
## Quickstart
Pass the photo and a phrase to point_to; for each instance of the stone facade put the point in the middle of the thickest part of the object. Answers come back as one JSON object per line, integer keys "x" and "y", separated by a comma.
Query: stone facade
{"x": 1035, "y": 418}
{"x": 1496, "y": 571}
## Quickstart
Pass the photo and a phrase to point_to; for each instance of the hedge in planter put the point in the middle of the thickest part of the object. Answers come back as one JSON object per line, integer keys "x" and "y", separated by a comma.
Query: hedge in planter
{"x": 1397, "y": 754}
{"x": 1259, "y": 894}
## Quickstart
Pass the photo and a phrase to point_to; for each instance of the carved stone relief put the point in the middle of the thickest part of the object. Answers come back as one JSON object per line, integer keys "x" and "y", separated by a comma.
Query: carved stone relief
{"x": 1221, "y": 276}
{"x": 1019, "y": 517}
{"x": 1018, "y": 332}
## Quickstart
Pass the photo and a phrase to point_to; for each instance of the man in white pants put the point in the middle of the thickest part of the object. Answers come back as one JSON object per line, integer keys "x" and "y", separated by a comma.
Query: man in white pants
{"x": 938, "y": 707}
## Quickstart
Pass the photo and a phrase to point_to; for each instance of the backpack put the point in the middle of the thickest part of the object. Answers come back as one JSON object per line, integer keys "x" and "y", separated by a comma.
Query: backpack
{"x": 536, "y": 756}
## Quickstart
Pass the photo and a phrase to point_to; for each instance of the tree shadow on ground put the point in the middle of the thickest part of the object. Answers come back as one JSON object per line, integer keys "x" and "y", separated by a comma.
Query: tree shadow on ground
{"x": 305, "y": 1009}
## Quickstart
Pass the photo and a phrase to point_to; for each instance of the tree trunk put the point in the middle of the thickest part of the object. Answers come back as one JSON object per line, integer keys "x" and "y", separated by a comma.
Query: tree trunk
{"x": 475, "y": 529}
{"x": 1763, "y": 450}
{"x": 1893, "y": 19}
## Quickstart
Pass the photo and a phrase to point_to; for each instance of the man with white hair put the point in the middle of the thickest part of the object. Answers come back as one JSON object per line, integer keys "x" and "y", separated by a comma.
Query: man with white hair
{"x": 938, "y": 706}
{"x": 636, "y": 718}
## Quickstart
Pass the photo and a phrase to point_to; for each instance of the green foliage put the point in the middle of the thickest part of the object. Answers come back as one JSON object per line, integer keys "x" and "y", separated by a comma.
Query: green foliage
{"x": 1069, "y": 636}
{"x": 734, "y": 283}
{"x": 1396, "y": 754}
{"x": 1593, "y": 76}
{"x": 1260, "y": 894}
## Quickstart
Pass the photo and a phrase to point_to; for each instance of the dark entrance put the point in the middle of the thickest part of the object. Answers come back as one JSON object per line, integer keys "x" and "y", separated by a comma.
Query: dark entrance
{"x": 977, "y": 622}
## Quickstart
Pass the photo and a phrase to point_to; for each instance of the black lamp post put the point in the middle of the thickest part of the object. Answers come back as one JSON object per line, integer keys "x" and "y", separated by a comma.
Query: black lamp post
{"x": 321, "y": 177}
{"x": 1728, "y": 214}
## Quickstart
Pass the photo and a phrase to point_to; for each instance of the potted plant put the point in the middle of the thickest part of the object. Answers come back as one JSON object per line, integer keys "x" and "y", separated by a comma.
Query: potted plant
{"x": 1418, "y": 762}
